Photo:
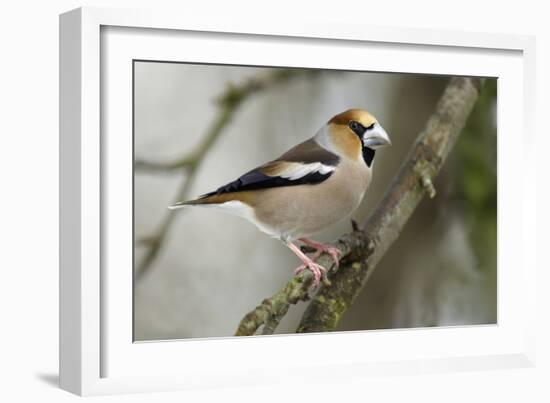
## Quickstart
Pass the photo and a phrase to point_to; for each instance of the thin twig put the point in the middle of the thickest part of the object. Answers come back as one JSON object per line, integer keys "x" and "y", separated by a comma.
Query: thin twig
{"x": 174, "y": 166}
{"x": 228, "y": 103}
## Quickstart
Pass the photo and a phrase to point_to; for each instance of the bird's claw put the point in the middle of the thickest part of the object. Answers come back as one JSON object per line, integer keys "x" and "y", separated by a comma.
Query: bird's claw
{"x": 334, "y": 252}
{"x": 317, "y": 270}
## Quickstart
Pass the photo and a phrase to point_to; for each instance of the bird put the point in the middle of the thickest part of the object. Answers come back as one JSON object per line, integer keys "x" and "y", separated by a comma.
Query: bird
{"x": 310, "y": 187}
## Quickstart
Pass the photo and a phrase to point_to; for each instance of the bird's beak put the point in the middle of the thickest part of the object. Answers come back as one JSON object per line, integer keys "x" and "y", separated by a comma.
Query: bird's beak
{"x": 376, "y": 137}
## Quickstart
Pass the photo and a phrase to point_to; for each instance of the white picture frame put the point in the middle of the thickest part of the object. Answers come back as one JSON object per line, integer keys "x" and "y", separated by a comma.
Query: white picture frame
{"x": 97, "y": 356}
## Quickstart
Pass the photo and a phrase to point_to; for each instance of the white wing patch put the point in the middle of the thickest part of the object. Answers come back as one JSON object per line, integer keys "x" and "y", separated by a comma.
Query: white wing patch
{"x": 296, "y": 170}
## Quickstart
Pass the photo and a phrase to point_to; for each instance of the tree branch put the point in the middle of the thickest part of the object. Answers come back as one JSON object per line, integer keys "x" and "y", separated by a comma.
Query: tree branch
{"x": 273, "y": 309}
{"x": 363, "y": 249}
{"x": 228, "y": 103}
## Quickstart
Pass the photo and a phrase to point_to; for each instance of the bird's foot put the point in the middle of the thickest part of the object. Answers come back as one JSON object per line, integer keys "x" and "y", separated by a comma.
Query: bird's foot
{"x": 318, "y": 271}
{"x": 333, "y": 251}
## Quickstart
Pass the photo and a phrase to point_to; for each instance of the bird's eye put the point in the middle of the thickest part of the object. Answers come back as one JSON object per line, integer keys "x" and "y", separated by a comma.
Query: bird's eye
{"x": 357, "y": 127}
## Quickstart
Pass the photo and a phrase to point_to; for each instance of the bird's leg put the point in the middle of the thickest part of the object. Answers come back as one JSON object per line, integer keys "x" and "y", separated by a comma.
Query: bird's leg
{"x": 331, "y": 250}
{"x": 317, "y": 270}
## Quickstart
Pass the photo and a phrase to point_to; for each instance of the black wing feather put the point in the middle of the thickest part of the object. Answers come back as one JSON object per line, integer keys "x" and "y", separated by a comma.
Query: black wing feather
{"x": 255, "y": 180}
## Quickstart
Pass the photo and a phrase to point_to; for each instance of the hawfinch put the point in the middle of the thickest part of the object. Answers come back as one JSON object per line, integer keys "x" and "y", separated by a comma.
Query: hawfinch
{"x": 313, "y": 185}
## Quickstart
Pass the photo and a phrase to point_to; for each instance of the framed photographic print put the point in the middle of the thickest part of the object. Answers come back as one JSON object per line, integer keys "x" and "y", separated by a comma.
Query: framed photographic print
{"x": 327, "y": 199}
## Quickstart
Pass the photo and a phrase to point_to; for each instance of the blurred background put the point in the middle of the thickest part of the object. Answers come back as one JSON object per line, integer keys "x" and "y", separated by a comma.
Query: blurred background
{"x": 199, "y": 271}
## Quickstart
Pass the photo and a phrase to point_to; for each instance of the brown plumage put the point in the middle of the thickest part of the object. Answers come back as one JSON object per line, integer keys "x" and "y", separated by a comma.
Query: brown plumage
{"x": 309, "y": 187}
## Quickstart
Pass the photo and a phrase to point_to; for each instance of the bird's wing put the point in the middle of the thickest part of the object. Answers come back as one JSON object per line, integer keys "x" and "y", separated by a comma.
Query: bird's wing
{"x": 306, "y": 163}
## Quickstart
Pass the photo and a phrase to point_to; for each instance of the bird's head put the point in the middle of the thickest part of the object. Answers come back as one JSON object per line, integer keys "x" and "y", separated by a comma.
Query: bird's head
{"x": 355, "y": 133}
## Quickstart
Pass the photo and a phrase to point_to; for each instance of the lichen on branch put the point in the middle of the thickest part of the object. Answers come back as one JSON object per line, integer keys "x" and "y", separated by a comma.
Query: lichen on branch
{"x": 270, "y": 312}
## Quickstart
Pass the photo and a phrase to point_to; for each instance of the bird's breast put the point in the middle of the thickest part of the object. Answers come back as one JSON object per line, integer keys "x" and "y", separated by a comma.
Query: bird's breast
{"x": 303, "y": 210}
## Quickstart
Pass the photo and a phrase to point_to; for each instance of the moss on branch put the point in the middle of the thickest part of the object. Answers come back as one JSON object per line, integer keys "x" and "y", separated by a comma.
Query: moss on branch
{"x": 270, "y": 312}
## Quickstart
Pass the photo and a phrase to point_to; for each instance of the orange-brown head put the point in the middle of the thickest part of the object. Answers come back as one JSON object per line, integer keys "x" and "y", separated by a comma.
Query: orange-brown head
{"x": 353, "y": 133}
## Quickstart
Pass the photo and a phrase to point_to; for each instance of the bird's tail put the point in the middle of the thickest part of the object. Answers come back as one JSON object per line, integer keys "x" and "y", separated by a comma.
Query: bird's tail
{"x": 182, "y": 204}
{"x": 207, "y": 199}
